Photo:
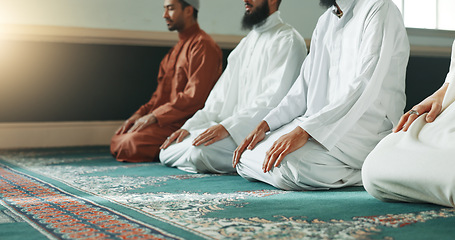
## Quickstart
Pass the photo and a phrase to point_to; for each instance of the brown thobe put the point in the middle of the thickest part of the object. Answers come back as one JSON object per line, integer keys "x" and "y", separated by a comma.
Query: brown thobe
{"x": 186, "y": 76}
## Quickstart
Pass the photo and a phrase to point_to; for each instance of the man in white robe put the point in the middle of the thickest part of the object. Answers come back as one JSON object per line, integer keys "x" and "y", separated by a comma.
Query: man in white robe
{"x": 348, "y": 96}
{"x": 260, "y": 71}
{"x": 417, "y": 163}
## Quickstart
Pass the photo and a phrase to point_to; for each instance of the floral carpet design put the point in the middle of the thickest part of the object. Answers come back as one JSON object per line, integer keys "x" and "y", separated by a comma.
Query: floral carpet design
{"x": 83, "y": 193}
{"x": 60, "y": 215}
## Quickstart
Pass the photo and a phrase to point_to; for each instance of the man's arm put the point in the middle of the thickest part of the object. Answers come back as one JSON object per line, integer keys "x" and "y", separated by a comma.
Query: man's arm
{"x": 204, "y": 70}
{"x": 127, "y": 124}
{"x": 431, "y": 105}
{"x": 383, "y": 56}
{"x": 256, "y": 136}
{"x": 285, "y": 59}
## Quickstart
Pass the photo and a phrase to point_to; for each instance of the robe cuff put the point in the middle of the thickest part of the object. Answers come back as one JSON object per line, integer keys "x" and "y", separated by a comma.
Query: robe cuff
{"x": 324, "y": 135}
{"x": 450, "y": 77}
{"x": 230, "y": 125}
{"x": 237, "y": 130}
{"x": 273, "y": 122}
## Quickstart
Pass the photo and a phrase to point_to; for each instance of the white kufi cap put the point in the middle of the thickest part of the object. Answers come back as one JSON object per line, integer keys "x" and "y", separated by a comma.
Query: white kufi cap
{"x": 194, "y": 3}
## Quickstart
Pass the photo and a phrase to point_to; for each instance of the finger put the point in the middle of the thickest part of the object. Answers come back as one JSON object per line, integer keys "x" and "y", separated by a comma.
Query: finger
{"x": 411, "y": 119}
{"x": 199, "y": 137}
{"x": 264, "y": 164}
{"x": 238, "y": 152}
{"x": 434, "y": 112}
{"x": 236, "y": 158}
{"x": 142, "y": 127}
{"x": 281, "y": 156}
{"x": 268, "y": 156}
{"x": 182, "y": 136}
{"x": 136, "y": 127}
{"x": 271, "y": 160}
{"x": 254, "y": 142}
{"x": 133, "y": 128}
{"x": 202, "y": 138}
{"x": 119, "y": 130}
{"x": 401, "y": 123}
{"x": 126, "y": 127}
{"x": 168, "y": 141}
{"x": 165, "y": 144}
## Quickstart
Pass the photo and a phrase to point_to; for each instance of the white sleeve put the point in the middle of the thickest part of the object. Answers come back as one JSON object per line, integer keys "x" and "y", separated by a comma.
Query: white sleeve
{"x": 293, "y": 105}
{"x": 378, "y": 48}
{"x": 212, "y": 106}
{"x": 288, "y": 53}
{"x": 451, "y": 75}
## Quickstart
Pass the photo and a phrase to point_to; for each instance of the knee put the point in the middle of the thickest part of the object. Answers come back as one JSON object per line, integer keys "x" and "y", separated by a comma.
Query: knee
{"x": 371, "y": 178}
{"x": 124, "y": 145}
{"x": 173, "y": 153}
{"x": 124, "y": 139}
{"x": 118, "y": 144}
{"x": 164, "y": 156}
{"x": 286, "y": 177}
{"x": 198, "y": 157}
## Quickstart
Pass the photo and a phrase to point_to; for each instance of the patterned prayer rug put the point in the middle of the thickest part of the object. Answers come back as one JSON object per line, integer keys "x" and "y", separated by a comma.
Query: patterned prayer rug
{"x": 83, "y": 193}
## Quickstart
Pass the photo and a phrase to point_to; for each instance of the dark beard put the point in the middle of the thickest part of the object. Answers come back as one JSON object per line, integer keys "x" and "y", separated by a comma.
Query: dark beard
{"x": 327, "y": 3}
{"x": 256, "y": 18}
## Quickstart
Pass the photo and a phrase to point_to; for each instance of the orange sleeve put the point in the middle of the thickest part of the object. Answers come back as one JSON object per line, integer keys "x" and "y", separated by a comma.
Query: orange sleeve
{"x": 204, "y": 69}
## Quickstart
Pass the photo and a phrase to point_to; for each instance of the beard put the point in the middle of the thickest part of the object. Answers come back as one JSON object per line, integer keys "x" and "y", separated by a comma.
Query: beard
{"x": 327, "y": 3}
{"x": 257, "y": 17}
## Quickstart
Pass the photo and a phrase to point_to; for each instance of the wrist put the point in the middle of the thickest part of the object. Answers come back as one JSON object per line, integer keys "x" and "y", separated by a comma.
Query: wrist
{"x": 134, "y": 117}
{"x": 264, "y": 126}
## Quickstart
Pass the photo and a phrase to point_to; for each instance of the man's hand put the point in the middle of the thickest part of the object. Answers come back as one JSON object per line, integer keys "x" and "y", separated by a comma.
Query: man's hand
{"x": 143, "y": 122}
{"x": 178, "y": 135}
{"x": 286, "y": 144}
{"x": 127, "y": 124}
{"x": 431, "y": 105}
{"x": 211, "y": 135}
{"x": 250, "y": 141}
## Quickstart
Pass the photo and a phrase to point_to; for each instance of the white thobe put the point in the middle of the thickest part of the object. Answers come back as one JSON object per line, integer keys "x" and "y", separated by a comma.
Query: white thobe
{"x": 417, "y": 165}
{"x": 260, "y": 71}
{"x": 349, "y": 94}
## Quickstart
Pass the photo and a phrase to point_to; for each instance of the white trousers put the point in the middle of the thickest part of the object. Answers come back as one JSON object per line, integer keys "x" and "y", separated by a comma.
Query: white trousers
{"x": 417, "y": 165}
{"x": 215, "y": 158}
{"x": 311, "y": 167}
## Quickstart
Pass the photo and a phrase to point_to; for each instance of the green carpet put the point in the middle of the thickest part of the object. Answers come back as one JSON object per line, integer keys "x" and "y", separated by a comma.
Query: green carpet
{"x": 83, "y": 193}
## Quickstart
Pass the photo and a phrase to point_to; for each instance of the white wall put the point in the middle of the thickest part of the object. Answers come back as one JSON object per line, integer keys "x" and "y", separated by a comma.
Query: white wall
{"x": 216, "y": 16}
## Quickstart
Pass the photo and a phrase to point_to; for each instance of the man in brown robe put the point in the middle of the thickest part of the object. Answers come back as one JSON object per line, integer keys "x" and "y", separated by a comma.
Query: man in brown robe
{"x": 186, "y": 76}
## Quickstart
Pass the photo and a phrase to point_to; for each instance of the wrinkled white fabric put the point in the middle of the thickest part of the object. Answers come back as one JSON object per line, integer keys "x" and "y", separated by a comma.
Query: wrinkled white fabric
{"x": 417, "y": 165}
{"x": 260, "y": 71}
{"x": 350, "y": 91}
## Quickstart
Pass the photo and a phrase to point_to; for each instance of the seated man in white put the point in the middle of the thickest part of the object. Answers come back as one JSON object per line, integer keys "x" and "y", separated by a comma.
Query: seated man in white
{"x": 348, "y": 96}
{"x": 260, "y": 71}
{"x": 417, "y": 162}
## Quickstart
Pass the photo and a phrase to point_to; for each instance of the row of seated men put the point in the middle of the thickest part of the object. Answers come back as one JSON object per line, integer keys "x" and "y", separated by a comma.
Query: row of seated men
{"x": 298, "y": 121}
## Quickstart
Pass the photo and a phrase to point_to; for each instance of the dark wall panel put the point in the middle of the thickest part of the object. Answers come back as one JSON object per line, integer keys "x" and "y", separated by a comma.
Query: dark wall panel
{"x": 71, "y": 82}
{"x": 423, "y": 77}
{"x": 42, "y": 81}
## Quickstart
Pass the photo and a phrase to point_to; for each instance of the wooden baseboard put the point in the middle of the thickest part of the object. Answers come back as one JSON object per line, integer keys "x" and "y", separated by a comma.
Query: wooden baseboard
{"x": 56, "y": 134}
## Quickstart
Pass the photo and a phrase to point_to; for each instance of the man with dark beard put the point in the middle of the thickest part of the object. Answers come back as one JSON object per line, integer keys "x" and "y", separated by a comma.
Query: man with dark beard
{"x": 186, "y": 77}
{"x": 260, "y": 71}
{"x": 348, "y": 96}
